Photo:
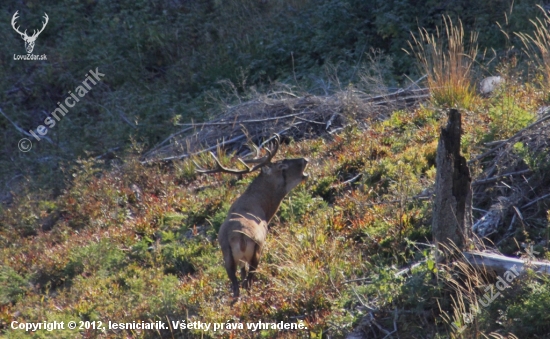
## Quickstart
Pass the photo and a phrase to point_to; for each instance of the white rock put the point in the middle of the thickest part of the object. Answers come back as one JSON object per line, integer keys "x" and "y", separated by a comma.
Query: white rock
{"x": 489, "y": 84}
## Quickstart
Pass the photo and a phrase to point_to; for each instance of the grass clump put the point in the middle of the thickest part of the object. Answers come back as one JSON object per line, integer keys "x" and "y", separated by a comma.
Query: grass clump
{"x": 507, "y": 117}
{"x": 447, "y": 63}
{"x": 537, "y": 46}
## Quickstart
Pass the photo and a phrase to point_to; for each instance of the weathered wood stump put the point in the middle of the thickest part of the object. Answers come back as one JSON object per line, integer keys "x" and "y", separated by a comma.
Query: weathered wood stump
{"x": 452, "y": 210}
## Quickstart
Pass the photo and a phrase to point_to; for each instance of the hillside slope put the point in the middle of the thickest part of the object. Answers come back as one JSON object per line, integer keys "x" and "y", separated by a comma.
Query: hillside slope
{"x": 98, "y": 236}
{"x": 137, "y": 242}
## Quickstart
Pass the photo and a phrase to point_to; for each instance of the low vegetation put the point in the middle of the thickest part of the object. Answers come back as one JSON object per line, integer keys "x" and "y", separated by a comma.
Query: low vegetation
{"x": 136, "y": 242}
{"x": 349, "y": 250}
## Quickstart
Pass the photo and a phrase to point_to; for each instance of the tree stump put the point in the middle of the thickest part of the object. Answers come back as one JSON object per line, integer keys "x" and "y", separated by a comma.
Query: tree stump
{"x": 452, "y": 210}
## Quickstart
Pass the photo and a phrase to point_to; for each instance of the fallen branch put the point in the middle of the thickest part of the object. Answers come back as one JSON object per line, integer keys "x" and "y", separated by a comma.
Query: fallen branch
{"x": 409, "y": 269}
{"x": 498, "y": 177}
{"x": 399, "y": 94}
{"x": 276, "y": 111}
{"x": 22, "y": 131}
{"x": 509, "y": 140}
{"x": 500, "y": 263}
{"x": 229, "y": 123}
{"x": 349, "y": 181}
{"x": 211, "y": 148}
{"x": 536, "y": 200}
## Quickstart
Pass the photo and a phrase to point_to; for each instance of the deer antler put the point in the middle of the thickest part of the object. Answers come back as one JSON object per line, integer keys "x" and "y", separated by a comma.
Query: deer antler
{"x": 35, "y": 33}
{"x": 260, "y": 162}
{"x": 43, "y": 25}
{"x": 13, "y": 22}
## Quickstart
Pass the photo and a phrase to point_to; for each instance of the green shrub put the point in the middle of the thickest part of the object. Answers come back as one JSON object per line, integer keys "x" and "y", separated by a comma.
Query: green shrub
{"x": 507, "y": 117}
{"x": 297, "y": 204}
{"x": 103, "y": 257}
{"x": 12, "y": 285}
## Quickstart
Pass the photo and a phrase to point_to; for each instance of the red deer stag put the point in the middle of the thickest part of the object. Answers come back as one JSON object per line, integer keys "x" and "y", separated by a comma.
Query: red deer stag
{"x": 242, "y": 234}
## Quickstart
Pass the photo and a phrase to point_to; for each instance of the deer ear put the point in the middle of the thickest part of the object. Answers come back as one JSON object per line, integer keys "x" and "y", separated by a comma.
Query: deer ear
{"x": 282, "y": 166}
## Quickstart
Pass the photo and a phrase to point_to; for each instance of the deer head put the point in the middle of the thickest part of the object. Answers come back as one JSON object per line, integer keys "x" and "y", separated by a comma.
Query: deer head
{"x": 29, "y": 40}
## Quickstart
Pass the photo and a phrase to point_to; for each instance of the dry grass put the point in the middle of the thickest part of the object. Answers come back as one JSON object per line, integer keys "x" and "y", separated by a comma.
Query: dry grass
{"x": 537, "y": 46}
{"x": 447, "y": 62}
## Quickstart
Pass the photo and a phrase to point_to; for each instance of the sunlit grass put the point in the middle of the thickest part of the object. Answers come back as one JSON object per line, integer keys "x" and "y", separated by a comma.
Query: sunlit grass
{"x": 537, "y": 45}
{"x": 447, "y": 62}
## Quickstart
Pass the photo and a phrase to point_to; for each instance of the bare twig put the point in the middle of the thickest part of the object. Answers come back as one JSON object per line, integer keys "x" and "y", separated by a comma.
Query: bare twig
{"x": 535, "y": 201}
{"x": 493, "y": 143}
{"x": 22, "y": 131}
{"x": 416, "y": 82}
{"x": 223, "y": 143}
{"x": 361, "y": 300}
{"x": 408, "y": 269}
{"x": 395, "y": 315}
{"x": 349, "y": 181}
{"x": 126, "y": 120}
{"x": 498, "y": 177}
{"x": 276, "y": 112}
{"x": 355, "y": 280}
{"x": 282, "y": 92}
{"x": 310, "y": 121}
{"x": 509, "y": 140}
{"x": 229, "y": 123}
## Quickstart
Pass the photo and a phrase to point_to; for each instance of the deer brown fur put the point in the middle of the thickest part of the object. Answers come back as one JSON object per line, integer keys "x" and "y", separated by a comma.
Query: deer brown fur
{"x": 242, "y": 235}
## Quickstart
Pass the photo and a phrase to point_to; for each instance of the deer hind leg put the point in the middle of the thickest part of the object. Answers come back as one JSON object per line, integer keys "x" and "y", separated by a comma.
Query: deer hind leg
{"x": 253, "y": 265}
{"x": 244, "y": 273}
{"x": 248, "y": 250}
{"x": 244, "y": 244}
{"x": 231, "y": 268}
{"x": 242, "y": 250}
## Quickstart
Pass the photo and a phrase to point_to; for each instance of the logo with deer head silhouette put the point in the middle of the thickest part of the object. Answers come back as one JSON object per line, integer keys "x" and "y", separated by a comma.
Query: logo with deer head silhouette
{"x": 29, "y": 40}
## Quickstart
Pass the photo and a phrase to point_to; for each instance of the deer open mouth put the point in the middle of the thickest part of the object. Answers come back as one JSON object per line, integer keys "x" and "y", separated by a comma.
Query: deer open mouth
{"x": 304, "y": 174}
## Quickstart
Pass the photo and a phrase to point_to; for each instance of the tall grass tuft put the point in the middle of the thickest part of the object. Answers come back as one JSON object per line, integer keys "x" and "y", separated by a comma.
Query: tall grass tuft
{"x": 447, "y": 63}
{"x": 537, "y": 46}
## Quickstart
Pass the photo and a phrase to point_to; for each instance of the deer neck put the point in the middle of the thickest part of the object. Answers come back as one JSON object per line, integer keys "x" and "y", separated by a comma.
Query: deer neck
{"x": 263, "y": 198}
